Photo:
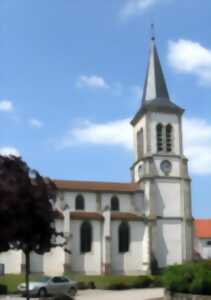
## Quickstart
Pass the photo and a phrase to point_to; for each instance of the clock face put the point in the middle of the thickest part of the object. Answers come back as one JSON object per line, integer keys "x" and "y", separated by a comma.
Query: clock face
{"x": 166, "y": 166}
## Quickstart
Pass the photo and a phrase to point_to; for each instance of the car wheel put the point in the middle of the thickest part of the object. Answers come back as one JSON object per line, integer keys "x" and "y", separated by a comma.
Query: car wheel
{"x": 72, "y": 291}
{"x": 42, "y": 293}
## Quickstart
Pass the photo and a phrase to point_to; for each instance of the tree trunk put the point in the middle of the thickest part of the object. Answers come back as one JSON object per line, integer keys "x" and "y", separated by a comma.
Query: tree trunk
{"x": 27, "y": 272}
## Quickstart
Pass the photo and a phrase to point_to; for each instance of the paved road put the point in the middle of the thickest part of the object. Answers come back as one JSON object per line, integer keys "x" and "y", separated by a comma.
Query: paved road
{"x": 134, "y": 294}
{"x": 139, "y": 294}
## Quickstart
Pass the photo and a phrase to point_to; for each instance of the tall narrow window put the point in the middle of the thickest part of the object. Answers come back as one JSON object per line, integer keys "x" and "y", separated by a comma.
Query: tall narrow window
{"x": 114, "y": 203}
{"x": 168, "y": 138}
{"x": 124, "y": 237}
{"x": 86, "y": 237}
{"x": 79, "y": 202}
{"x": 159, "y": 129}
{"x": 140, "y": 143}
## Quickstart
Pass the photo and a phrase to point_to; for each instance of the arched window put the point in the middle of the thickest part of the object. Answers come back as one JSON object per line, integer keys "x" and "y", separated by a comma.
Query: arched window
{"x": 159, "y": 130}
{"x": 124, "y": 237}
{"x": 86, "y": 237}
{"x": 114, "y": 203}
{"x": 140, "y": 143}
{"x": 79, "y": 202}
{"x": 168, "y": 138}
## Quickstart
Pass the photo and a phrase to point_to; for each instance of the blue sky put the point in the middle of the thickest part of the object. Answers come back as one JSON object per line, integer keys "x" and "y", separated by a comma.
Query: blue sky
{"x": 71, "y": 73}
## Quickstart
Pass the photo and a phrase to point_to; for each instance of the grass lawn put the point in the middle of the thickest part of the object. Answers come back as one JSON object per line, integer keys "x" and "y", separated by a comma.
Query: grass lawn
{"x": 12, "y": 280}
{"x": 104, "y": 281}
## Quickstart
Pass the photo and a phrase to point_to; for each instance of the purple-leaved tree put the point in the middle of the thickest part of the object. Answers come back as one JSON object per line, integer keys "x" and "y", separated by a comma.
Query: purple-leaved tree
{"x": 26, "y": 210}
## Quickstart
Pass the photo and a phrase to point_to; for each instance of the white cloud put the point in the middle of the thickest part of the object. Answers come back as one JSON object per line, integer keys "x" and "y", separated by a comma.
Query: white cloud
{"x": 111, "y": 133}
{"x": 197, "y": 139}
{"x": 93, "y": 81}
{"x": 7, "y": 151}
{"x": 35, "y": 123}
{"x": 6, "y": 105}
{"x": 190, "y": 57}
{"x": 134, "y": 7}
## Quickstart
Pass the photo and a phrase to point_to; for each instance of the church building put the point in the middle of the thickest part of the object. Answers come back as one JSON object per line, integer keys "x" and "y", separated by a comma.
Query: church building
{"x": 126, "y": 227}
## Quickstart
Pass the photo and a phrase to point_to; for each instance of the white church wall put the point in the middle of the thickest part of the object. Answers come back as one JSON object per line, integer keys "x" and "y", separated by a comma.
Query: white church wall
{"x": 125, "y": 201}
{"x": 165, "y": 119}
{"x": 167, "y": 198}
{"x": 36, "y": 263}
{"x": 138, "y": 201}
{"x": 53, "y": 261}
{"x": 140, "y": 125}
{"x": 130, "y": 262}
{"x": 168, "y": 242}
{"x": 89, "y": 262}
{"x": 12, "y": 261}
{"x": 89, "y": 200}
{"x": 203, "y": 247}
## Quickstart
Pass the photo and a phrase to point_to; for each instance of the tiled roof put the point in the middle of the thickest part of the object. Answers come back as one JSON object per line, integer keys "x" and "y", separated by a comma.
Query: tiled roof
{"x": 202, "y": 228}
{"x": 96, "y": 186}
{"x": 125, "y": 216}
{"x": 86, "y": 215}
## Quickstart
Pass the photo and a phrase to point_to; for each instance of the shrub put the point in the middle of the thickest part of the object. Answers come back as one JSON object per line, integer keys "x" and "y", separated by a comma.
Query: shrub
{"x": 3, "y": 289}
{"x": 194, "y": 277}
{"x": 156, "y": 281}
{"x": 118, "y": 286}
{"x": 91, "y": 285}
{"x": 142, "y": 282}
{"x": 82, "y": 285}
{"x": 154, "y": 265}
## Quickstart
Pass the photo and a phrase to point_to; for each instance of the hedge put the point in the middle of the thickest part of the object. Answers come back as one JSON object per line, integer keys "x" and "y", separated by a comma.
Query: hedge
{"x": 192, "y": 278}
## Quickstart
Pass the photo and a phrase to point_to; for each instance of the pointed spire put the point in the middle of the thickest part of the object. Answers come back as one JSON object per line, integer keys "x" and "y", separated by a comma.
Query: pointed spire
{"x": 155, "y": 85}
{"x": 155, "y": 95}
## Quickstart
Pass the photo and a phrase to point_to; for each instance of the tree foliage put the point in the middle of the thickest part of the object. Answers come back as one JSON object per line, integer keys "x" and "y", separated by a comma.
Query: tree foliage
{"x": 26, "y": 210}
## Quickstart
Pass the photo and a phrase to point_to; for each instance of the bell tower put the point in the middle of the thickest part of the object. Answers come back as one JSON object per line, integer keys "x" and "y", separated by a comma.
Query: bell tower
{"x": 161, "y": 168}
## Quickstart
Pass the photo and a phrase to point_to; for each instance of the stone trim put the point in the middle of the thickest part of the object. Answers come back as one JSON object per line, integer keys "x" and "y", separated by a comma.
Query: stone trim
{"x": 23, "y": 268}
{"x": 85, "y": 215}
{"x": 167, "y": 178}
{"x": 161, "y": 155}
{"x": 67, "y": 268}
{"x": 126, "y": 216}
{"x": 106, "y": 269}
{"x": 169, "y": 110}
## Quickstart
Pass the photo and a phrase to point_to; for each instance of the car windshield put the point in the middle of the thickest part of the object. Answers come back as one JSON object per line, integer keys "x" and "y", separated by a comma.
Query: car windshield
{"x": 43, "y": 279}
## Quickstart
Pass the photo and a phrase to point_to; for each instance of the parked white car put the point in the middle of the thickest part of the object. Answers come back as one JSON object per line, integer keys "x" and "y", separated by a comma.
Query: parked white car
{"x": 47, "y": 285}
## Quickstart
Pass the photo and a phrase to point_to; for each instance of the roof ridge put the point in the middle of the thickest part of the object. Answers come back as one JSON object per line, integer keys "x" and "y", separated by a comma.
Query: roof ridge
{"x": 92, "y": 181}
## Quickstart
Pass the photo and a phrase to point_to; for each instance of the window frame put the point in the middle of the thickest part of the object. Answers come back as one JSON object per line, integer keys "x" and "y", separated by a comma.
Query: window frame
{"x": 124, "y": 237}
{"x": 86, "y": 237}
{"x": 140, "y": 143}
{"x": 79, "y": 202}
{"x": 115, "y": 203}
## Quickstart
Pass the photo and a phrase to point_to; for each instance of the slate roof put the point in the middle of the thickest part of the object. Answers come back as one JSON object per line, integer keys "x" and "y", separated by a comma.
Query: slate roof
{"x": 155, "y": 95}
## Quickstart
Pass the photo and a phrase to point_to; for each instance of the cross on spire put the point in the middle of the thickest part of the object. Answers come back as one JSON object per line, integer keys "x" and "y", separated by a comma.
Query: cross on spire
{"x": 152, "y": 32}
